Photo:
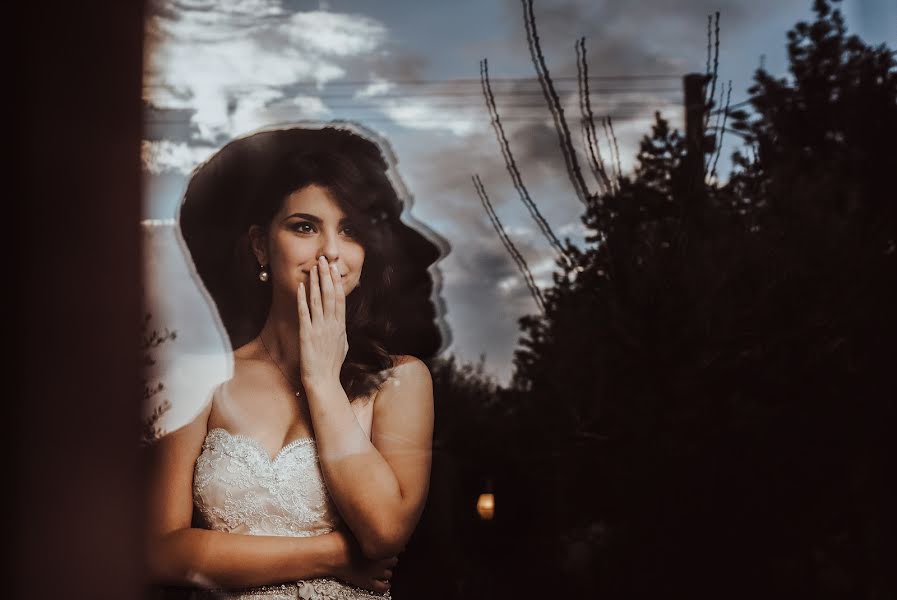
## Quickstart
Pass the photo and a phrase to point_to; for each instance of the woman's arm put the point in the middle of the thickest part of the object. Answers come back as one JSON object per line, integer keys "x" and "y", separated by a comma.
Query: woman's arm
{"x": 379, "y": 485}
{"x": 222, "y": 559}
{"x": 179, "y": 554}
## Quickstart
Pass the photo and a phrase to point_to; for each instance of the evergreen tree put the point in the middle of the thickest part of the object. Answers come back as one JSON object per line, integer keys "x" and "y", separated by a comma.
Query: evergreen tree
{"x": 827, "y": 135}
{"x": 712, "y": 379}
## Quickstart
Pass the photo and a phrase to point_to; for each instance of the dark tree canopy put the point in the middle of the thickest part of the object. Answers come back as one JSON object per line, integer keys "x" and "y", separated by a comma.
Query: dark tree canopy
{"x": 705, "y": 407}
{"x": 728, "y": 354}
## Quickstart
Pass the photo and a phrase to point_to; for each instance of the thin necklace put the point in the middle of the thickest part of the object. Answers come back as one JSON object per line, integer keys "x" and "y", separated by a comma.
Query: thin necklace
{"x": 276, "y": 364}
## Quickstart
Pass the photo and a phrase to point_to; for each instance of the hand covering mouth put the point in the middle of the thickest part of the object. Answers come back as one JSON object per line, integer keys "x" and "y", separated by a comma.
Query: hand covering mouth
{"x": 307, "y": 272}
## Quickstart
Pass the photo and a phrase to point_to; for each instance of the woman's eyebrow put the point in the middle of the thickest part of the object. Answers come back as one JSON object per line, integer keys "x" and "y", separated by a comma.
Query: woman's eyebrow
{"x": 313, "y": 218}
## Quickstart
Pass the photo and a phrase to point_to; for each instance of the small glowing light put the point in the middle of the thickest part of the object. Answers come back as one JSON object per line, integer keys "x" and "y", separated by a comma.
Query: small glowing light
{"x": 486, "y": 506}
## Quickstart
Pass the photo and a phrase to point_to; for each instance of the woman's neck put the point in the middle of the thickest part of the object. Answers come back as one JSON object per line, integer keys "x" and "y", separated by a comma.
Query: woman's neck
{"x": 280, "y": 339}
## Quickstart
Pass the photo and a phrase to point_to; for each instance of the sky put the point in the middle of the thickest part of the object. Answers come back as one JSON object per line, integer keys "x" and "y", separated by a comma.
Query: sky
{"x": 409, "y": 71}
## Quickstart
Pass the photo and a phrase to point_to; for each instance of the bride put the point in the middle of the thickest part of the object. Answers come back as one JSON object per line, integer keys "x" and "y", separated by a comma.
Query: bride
{"x": 309, "y": 468}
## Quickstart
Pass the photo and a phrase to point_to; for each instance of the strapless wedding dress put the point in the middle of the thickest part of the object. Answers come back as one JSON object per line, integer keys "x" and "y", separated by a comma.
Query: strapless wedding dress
{"x": 238, "y": 488}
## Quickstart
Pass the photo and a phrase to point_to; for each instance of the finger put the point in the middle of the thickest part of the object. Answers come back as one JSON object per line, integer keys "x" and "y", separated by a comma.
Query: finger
{"x": 317, "y": 312}
{"x": 302, "y": 303}
{"x": 340, "y": 295}
{"x": 327, "y": 291}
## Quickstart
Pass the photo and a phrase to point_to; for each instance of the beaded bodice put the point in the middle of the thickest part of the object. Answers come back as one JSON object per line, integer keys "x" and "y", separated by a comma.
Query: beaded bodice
{"x": 238, "y": 488}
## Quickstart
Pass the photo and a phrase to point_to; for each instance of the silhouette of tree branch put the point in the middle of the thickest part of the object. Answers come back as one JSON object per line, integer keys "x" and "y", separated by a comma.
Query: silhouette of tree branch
{"x": 554, "y": 103}
{"x": 588, "y": 119}
{"x": 511, "y": 164}
{"x": 509, "y": 244}
{"x": 721, "y": 131}
{"x": 609, "y": 122}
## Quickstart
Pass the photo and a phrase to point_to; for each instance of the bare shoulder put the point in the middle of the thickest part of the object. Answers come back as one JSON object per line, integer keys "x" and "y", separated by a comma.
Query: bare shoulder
{"x": 408, "y": 385}
{"x": 410, "y": 369}
{"x": 403, "y": 407}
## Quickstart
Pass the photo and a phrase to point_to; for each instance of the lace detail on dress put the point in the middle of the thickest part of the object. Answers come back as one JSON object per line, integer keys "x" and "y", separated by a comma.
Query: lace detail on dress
{"x": 312, "y": 589}
{"x": 332, "y": 589}
{"x": 238, "y": 488}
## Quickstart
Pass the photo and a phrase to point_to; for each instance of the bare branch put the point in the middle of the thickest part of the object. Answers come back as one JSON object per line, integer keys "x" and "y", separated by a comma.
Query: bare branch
{"x": 719, "y": 144}
{"x": 511, "y": 164}
{"x": 709, "y": 33}
{"x": 717, "y": 138}
{"x": 554, "y": 103}
{"x": 714, "y": 75}
{"x": 509, "y": 245}
{"x": 613, "y": 137}
{"x": 593, "y": 158}
{"x": 588, "y": 118}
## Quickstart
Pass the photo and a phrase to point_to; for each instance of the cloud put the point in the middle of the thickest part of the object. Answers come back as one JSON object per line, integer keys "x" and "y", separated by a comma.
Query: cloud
{"x": 326, "y": 33}
{"x": 486, "y": 296}
{"x": 225, "y": 69}
{"x": 422, "y": 109}
{"x": 377, "y": 88}
{"x": 423, "y": 114}
{"x": 649, "y": 31}
{"x": 401, "y": 65}
{"x": 311, "y": 106}
{"x": 573, "y": 229}
{"x": 233, "y": 64}
{"x": 163, "y": 156}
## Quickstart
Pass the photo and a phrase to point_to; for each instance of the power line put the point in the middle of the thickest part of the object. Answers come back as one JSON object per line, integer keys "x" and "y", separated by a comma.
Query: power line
{"x": 463, "y": 104}
{"x": 621, "y": 109}
{"x": 462, "y": 80}
{"x": 477, "y": 94}
{"x": 434, "y": 120}
{"x": 471, "y": 105}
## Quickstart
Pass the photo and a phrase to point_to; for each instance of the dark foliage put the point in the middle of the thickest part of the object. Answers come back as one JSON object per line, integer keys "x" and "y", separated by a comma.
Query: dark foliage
{"x": 705, "y": 407}
{"x": 728, "y": 351}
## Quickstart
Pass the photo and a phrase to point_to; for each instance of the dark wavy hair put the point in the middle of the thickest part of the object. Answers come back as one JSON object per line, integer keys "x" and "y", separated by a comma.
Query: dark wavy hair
{"x": 245, "y": 184}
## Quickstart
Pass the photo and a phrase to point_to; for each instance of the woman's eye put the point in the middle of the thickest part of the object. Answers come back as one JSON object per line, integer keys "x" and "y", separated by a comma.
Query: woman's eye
{"x": 304, "y": 227}
{"x": 308, "y": 227}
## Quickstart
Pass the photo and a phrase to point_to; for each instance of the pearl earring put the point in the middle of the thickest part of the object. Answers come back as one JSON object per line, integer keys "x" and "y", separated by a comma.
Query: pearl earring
{"x": 263, "y": 274}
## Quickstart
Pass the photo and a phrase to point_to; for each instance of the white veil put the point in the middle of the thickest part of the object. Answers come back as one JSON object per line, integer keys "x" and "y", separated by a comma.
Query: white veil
{"x": 184, "y": 337}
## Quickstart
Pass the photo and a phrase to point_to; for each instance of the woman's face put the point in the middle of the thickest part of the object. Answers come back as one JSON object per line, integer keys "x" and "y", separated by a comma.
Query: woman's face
{"x": 310, "y": 224}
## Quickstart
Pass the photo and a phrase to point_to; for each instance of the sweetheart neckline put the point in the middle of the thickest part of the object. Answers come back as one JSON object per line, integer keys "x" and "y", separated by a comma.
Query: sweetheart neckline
{"x": 303, "y": 441}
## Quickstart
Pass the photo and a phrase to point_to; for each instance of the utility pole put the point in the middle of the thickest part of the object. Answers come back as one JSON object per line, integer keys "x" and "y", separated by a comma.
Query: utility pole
{"x": 694, "y": 129}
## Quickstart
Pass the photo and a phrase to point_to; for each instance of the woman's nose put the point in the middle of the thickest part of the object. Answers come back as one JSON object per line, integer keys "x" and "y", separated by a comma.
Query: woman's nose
{"x": 329, "y": 248}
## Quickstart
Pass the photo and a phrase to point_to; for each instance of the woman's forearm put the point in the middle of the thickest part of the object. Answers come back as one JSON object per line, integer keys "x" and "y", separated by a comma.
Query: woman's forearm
{"x": 360, "y": 481}
{"x": 221, "y": 559}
